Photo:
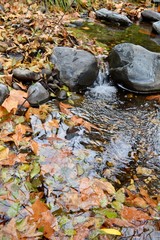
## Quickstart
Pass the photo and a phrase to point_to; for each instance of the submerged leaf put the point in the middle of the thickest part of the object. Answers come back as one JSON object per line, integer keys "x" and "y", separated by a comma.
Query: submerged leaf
{"x": 111, "y": 231}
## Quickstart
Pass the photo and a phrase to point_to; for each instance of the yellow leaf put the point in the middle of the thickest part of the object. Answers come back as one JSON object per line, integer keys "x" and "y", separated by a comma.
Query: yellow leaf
{"x": 111, "y": 231}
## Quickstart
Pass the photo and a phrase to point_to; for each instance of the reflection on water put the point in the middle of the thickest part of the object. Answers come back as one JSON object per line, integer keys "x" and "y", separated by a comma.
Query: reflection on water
{"x": 130, "y": 133}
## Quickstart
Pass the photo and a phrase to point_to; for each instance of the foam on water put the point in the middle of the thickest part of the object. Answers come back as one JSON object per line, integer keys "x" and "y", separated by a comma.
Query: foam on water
{"x": 103, "y": 88}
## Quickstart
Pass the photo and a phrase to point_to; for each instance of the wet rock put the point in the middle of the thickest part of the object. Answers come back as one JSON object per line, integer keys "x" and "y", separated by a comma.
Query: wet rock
{"x": 150, "y": 15}
{"x": 114, "y": 17}
{"x": 4, "y": 92}
{"x": 77, "y": 68}
{"x": 156, "y": 26}
{"x": 18, "y": 57}
{"x": 25, "y": 75}
{"x": 37, "y": 94}
{"x": 62, "y": 95}
{"x": 135, "y": 68}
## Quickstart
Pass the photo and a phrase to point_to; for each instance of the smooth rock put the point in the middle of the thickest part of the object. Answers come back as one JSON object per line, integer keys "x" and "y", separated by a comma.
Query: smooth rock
{"x": 78, "y": 69}
{"x": 150, "y": 15}
{"x": 156, "y": 26}
{"x": 25, "y": 75}
{"x": 111, "y": 16}
{"x": 37, "y": 94}
{"x": 62, "y": 95}
{"x": 135, "y": 68}
{"x": 4, "y": 92}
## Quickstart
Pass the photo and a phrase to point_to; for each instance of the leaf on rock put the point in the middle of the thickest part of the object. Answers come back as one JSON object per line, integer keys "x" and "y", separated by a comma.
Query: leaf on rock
{"x": 20, "y": 96}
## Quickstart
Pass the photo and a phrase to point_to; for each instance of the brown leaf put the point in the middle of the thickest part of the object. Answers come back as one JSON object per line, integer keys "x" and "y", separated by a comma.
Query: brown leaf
{"x": 34, "y": 147}
{"x": 10, "y": 104}
{"x": 44, "y": 218}
{"x": 64, "y": 108}
{"x": 132, "y": 214}
{"x": 154, "y": 97}
{"x": 20, "y": 96}
{"x": 112, "y": 222}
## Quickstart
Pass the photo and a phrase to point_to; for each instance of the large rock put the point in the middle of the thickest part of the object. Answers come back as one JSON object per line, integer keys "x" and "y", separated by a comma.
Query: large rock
{"x": 156, "y": 26}
{"x": 111, "y": 16}
{"x": 135, "y": 68}
{"x": 77, "y": 68}
{"x": 150, "y": 15}
{"x": 4, "y": 92}
{"x": 37, "y": 94}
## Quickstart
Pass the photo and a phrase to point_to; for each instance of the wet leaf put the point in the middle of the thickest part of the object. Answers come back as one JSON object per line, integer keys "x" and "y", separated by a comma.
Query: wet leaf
{"x": 3, "y": 153}
{"x": 36, "y": 169}
{"x": 13, "y": 210}
{"x": 132, "y": 214}
{"x": 110, "y": 231}
{"x": 64, "y": 108}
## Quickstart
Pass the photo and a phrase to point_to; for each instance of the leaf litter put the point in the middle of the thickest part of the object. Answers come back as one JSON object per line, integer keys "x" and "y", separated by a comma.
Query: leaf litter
{"x": 44, "y": 189}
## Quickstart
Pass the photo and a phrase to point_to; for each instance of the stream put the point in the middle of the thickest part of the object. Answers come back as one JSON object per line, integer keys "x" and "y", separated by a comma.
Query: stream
{"x": 124, "y": 150}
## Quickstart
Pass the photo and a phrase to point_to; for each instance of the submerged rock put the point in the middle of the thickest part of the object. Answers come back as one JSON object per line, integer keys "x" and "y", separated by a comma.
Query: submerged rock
{"x": 135, "y": 68}
{"x": 25, "y": 75}
{"x": 111, "y": 16}
{"x": 37, "y": 94}
{"x": 156, "y": 26}
{"x": 4, "y": 92}
{"x": 78, "y": 69}
{"x": 150, "y": 15}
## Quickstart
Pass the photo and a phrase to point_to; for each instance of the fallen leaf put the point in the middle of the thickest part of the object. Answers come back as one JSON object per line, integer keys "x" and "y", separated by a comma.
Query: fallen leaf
{"x": 64, "y": 108}
{"x": 132, "y": 214}
{"x": 20, "y": 96}
{"x": 10, "y": 103}
{"x": 154, "y": 97}
{"x": 110, "y": 231}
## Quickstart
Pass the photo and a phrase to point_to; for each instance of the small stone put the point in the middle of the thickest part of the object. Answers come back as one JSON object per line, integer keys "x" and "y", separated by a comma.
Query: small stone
{"x": 37, "y": 94}
{"x": 25, "y": 75}
{"x": 4, "y": 92}
{"x": 62, "y": 95}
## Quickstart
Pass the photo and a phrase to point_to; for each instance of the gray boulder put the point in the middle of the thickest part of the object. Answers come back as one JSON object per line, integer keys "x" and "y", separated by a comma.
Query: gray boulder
{"x": 37, "y": 94}
{"x": 135, "y": 68}
{"x": 150, "y": 15}
{"x": 156, "y": 26}
{"x": 77, "y": 68}
{"x": 111, "y": 16}
{"x": 4, "y": 92}
{"x": 25, "y": 75}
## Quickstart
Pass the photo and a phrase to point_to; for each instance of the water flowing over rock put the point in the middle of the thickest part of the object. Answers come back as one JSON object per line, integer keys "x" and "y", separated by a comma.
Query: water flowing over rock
{"x": 156, "y": 26}
{"x": 4, "y": 92}
{"x": 135, "y": 68}
{"x": 150, "y": 15}
{"x": 77, "y": 68}
{"x": 37, "y": 94}
{"x": 111, "y": 16}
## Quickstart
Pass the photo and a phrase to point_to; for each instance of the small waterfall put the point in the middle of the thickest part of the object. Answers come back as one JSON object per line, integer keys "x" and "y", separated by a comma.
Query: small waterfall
{"x": 102, "y": 87}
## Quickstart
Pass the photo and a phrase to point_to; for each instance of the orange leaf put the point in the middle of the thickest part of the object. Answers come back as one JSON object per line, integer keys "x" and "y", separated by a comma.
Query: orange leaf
{"x": 10, "y": 103}
{"x": 54, "y": 123}
{"x": 132, "y": 214}
{"x": 20, "y": 96}
{"x": 3, "y": 111}
{"x": 64, "y": 108}
{"x": 44, "y": 218}
{"x": 154, "y": 97}
{"x": 34, "y": 147}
